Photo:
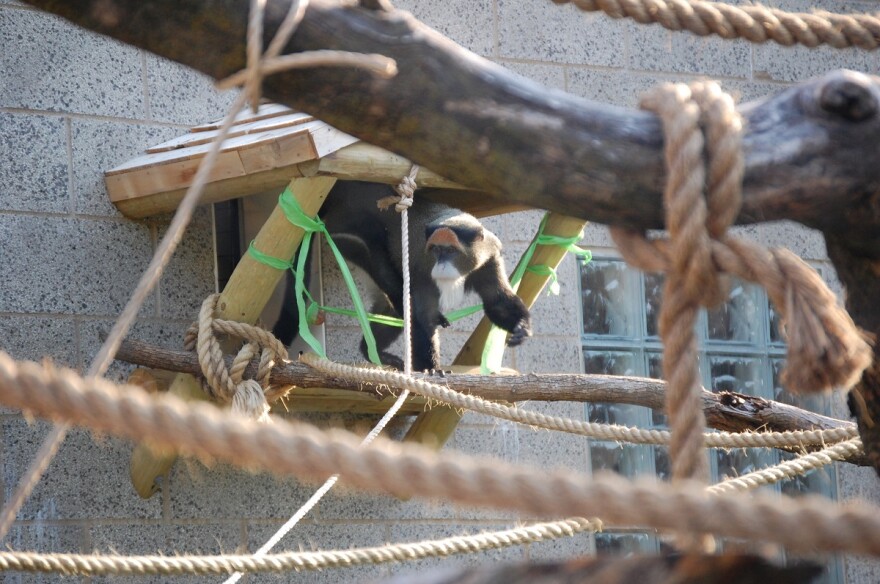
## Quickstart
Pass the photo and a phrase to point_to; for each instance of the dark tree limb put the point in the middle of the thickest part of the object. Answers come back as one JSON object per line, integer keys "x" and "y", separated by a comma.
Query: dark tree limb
{"x": 811, "y": 151}
{"x": 729, "y": 411}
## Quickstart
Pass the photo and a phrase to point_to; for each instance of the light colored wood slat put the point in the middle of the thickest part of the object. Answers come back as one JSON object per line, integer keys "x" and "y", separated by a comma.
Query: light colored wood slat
{"x": 197, "y": 138}
{"x": 199, "y": 151}
{"x": 328, "y": 140}
{"x": 251, "y": 166}
{"x": 175, "y": 175}
{"x": 224, "y": 190}
{"x": 362, "y": 161}
{"x": 265, "y": 111}
{"x": 334, "y": 400}
{"x": 243, "y": 299}
{"x": 434, "y": 427}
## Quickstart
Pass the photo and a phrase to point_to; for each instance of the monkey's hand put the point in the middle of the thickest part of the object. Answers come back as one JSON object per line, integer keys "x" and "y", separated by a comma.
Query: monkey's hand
{"x": 442, "y": 321}
{"x": 519, "y": 333}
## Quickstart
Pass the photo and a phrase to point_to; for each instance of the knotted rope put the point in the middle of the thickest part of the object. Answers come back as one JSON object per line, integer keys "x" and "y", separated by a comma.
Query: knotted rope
{"x": 824, "y": 347}
{"x": 248, "y": 396}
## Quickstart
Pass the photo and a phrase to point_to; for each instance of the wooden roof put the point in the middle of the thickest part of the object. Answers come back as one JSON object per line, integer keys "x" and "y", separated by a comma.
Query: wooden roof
{"x": 263, "y": 151}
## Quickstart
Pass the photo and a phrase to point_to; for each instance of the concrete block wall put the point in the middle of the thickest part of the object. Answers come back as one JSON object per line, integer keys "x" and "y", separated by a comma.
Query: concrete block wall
{"x": 73, "y": 104}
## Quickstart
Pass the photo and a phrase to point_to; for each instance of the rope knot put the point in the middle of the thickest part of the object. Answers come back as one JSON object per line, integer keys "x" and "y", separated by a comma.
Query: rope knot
{"x": 703, "y": 154}
{"x": 405, "y": 190}
{"x": 248, "y": 396}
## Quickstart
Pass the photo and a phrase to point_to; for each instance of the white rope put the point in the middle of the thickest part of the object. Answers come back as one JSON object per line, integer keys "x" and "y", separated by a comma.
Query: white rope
{"x": 97, "y": 565}
{"x": 401, "y": 399}
{"x": 790, "y": 468}
{"x": 792, "y": 439}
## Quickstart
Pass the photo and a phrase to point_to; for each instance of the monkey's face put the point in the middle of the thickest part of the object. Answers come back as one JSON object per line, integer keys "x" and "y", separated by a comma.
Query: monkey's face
{"x": 452, "y": 250}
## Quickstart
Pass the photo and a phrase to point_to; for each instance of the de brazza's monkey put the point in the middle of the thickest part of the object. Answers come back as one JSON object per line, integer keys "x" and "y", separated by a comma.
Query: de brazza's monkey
{"x": 451, "y": 253}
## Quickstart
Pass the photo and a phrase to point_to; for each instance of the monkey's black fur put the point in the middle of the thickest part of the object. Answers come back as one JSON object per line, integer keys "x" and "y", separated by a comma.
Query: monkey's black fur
{"x": 370, "y": 239}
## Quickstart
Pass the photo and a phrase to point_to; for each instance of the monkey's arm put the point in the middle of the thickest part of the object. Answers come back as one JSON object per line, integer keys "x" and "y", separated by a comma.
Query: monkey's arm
{"x": 502, "y": 306}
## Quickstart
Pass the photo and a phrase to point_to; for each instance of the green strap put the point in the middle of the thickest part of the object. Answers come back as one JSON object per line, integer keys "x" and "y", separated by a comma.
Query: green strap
{"x": 270, "y": 261}
{"x": 308, "y": 310}
{"x": 294, "y": 213}
{"x": 493, "y": 350}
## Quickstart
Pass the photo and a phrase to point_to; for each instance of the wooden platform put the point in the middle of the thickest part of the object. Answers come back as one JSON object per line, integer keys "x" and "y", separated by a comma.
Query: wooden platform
{"x": 267, "y": 151}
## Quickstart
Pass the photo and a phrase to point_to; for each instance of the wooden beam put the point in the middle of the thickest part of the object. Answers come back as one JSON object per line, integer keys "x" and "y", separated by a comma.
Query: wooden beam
{"x": 435, "y": 426}
{"x": 243, "y": 299}
{"x": 362, "y": 161}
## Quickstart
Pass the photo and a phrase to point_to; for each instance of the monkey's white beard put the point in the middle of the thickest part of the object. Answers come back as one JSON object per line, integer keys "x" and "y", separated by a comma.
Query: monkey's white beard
{"x": 451, "y": 285}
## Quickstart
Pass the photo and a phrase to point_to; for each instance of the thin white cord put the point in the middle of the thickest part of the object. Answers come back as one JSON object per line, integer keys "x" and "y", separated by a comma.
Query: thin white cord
{"x": 377, "y": 429}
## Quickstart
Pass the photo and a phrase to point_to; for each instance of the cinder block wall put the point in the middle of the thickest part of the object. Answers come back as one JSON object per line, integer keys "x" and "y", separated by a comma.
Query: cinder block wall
{"x": 73, "y": 104}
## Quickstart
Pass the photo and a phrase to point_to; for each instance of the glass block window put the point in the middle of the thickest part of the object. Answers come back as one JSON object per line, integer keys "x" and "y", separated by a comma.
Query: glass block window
{"x": 741, "y": 349}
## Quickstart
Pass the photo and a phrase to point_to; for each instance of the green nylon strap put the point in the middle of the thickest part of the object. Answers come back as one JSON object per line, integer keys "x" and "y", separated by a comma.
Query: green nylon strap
{"x": 314, "y": 307}
{"x": 294, "y": 213}
{"x": 270, "y": 261}
{"x": 493, "y": 350}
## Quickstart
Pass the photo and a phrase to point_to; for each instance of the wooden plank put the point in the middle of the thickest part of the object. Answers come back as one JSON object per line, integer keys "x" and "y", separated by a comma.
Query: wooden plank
{"x": 362, "y": 161}
{"x": 338, "y": 400}
{"x": 248, "y": 164}
{"x": 232, "y": 188}
{"x": 255, "y": 127}
{"x": 435, "y": 426}
{"x": 328, "y": 140}
{"x": 199, "y": 151}
{"x": 264, "y": 111}
{"x": 250, "y": 167}
{"x": 243, "y": 299}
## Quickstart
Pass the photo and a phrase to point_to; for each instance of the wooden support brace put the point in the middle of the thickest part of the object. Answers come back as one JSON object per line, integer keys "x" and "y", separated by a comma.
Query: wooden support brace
{"x": 435, "y": 426}
{"x": 243, "y": 299}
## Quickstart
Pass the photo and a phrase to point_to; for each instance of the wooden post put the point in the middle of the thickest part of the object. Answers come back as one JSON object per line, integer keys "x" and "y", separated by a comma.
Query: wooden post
{"x": 434, "y": 427}
{"x": 243, "y": 299}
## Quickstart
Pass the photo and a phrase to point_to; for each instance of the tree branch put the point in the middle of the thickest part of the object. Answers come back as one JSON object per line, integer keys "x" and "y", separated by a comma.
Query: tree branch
{"x": 727, "y": 411}
{"x": 810, "y": 150}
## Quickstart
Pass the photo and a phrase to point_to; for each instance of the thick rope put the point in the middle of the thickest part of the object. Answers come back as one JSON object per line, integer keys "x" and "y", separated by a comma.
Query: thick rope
{"x": 691, "y": 280}
{"x": 100, "y": 565}
{"x": 755, "y": 23}
{"x": 406, "y": 190}
{"x": 248, "y": 397}
{"x": 296, "y": 449}
{"x": 792, "y": 439}
{"x": 825, "y": 349}
{"x": 790, "y": 468}
{"x": 96, "y": 565}
{"x": 269, "y": 63}
{"x": 146, "y": 284}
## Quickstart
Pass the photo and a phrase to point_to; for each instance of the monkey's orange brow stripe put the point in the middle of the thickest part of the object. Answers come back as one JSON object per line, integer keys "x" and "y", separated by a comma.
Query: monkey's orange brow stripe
{"x": 445, "y": 236}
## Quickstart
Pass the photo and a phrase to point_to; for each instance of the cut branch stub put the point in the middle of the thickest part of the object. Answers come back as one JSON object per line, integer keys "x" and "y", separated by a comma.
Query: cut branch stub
{"x": 850, "y": 95}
